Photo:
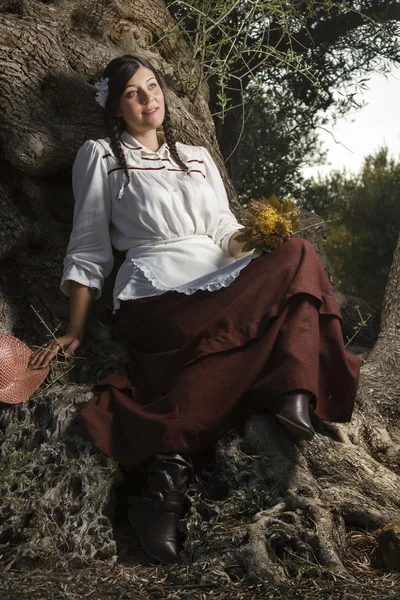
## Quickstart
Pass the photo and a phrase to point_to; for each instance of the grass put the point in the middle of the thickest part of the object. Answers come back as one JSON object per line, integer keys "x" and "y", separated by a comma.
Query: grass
{"x": 134, "y": 576}
{"x": 141, "y": 581}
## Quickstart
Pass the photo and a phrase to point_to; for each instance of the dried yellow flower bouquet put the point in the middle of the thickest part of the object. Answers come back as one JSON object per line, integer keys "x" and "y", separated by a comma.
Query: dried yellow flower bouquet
{"x": 268, "y": 224}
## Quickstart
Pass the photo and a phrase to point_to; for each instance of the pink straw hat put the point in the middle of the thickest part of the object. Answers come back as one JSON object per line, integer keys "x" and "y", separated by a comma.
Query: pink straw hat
{"x": 17, "y": 382}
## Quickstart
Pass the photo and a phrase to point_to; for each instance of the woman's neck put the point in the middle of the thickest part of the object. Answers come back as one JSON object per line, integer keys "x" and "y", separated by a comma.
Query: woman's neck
{"x": 148, "y": 139}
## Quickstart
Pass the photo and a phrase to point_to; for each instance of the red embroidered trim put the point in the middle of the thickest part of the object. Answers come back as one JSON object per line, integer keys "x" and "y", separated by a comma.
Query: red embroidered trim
{"x": 167, "y": 159}
{"x": 131, "y": 147}
{"x": 146, "y": 158}
{"x": 191, "y": 171}
{"x": 136, "y": 169}
{"x": 197, "y": 171}
{"x": 106, "y": 155}
{"x": 154, "y": 169}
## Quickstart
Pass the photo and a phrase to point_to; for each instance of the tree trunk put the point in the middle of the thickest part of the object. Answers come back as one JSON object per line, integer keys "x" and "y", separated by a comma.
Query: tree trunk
{"x": 279, "y": 503}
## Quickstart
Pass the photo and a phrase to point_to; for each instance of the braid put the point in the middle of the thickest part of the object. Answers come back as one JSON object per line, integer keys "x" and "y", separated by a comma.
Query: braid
{"x": 114, "y": 126}
{"x": 170, "y": 139}
{"x": 115, "y": 143}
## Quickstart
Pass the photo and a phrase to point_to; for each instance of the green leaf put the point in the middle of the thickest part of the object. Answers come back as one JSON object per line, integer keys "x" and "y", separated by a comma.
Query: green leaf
{"x": 242, "y": 237}
{"x": 274, "y": 202}
{"x": 287, "y": 206}
{"x": 258, "y": 251}
{"x": 248, "y": 246}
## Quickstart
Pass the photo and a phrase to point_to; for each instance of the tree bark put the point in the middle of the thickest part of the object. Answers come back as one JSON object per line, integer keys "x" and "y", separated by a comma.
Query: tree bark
{"x": 287, "y": 502}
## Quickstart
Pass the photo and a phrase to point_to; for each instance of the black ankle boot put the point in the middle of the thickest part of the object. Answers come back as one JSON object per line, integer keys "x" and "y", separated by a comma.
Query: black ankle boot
{"x": 156, "y": 513}
{"x": 293, "y": 411}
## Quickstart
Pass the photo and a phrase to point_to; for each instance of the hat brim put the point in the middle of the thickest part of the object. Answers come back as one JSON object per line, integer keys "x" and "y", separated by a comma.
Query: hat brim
{"x": 23, "y": 387}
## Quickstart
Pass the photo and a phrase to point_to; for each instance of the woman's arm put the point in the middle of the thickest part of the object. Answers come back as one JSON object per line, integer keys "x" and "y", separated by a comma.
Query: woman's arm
{"x": 89, "y": 258}
{"x": 81, "y": 297}
{"x": 228, "y": 226}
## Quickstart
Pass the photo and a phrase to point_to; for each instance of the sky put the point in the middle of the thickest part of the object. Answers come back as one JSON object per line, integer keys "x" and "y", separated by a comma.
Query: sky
{"x": 363, "y": 132}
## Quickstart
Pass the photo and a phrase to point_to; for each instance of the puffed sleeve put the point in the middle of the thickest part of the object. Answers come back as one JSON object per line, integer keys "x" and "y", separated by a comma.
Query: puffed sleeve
{"x": 89, "y": 258}
{"x": 227, "y": 222}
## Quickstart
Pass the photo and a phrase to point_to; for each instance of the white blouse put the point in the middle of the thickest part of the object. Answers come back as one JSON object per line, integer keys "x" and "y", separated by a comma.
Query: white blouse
{"x": 174, "y": 226}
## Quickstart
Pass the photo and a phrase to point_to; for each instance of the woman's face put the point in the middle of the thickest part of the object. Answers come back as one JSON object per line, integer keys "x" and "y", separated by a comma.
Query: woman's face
{"x": 142, "y": 102}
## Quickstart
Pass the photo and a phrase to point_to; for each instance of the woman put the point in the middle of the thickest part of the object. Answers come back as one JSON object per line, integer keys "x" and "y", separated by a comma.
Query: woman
{"x": 213, "y": 336}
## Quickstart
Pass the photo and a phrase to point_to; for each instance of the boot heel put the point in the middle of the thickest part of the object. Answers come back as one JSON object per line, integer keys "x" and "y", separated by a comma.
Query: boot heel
{"x": 297, "y": 430}
{"x": 293, "y": 412}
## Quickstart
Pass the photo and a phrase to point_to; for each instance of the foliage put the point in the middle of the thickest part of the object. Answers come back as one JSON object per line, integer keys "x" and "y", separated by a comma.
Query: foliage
{"x": 228, "y": 38}
{"x": 279, "y": 138}
{"x": 274, "y": 70}
{"x": 365, "y": 213}
{"x": 235, "y": 39}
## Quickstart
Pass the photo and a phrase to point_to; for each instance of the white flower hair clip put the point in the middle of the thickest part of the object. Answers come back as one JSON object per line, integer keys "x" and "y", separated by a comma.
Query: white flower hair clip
{"x": 102, "y": 91}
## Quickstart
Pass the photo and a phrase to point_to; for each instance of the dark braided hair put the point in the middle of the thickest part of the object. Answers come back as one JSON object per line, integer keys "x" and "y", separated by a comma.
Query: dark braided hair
{"x": 119, "y": 71}
{"x": 170, "y": 138}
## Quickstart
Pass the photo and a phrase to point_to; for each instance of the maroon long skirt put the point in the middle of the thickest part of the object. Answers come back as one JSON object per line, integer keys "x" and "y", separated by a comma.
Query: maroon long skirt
{"x": 201, "y": 364}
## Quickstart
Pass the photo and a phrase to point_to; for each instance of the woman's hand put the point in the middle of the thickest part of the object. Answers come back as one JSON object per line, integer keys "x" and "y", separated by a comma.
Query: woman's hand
{"x": 43, "y": 356}
{"x": 235, "y": 248}
{"x": 80, "y": 298}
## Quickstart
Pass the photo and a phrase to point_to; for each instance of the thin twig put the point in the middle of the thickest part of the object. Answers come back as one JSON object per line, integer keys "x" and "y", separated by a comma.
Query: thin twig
{"x": 358, "y": 329}
{"x": 58, "y": 377}
{"x": 316, "y": 224}
{"x": 43, "y": 322}
{"x": 301, "y": 558}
